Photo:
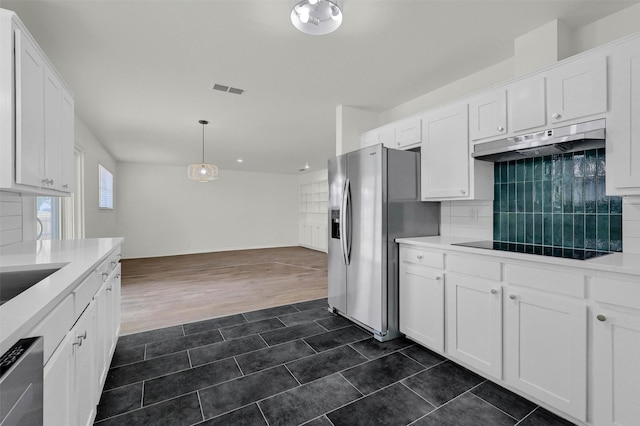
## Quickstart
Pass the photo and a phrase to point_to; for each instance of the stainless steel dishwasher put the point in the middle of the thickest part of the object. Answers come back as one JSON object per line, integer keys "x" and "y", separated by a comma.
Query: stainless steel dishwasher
{"x": 21, "y": 383}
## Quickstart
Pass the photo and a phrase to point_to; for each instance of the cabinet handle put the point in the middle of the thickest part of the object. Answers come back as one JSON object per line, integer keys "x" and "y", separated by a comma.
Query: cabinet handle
{"x": 513, "y": 297}
{"x": 83, "y": 335}
{"x": 420, "y": 257}
{"x": 45, "y": 181}
{"x": 500, "y": 129}
{"x": 78, "y": 341}
{"x": 556, "y": 115}
{"x": 109, "y": 288}
{"x": 601, "y": 317}
{"x": 105, "y": 275}
{"x": 65, "y": 186}
{"x": 494, "y": 291}
{"x": 113, "y": 264}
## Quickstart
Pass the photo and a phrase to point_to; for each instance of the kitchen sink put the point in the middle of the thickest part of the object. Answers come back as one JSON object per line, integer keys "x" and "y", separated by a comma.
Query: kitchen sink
{"x": 13, "y": 282}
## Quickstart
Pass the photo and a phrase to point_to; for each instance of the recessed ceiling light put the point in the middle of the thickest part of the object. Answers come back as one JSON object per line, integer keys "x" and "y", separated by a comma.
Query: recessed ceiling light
{"x": 239, "y": 160}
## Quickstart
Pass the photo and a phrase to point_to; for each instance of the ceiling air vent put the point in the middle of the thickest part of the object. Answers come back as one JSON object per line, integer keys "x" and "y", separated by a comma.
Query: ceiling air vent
{"x": 227, "y": 89}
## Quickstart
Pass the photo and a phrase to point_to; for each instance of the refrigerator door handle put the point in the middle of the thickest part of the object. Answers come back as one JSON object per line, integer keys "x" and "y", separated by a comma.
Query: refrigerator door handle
{"x": 343, "y": 208}
{"x": 348, "y": 214}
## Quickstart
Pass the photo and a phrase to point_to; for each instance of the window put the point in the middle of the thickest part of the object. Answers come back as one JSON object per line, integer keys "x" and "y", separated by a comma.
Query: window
{"x": 105, "y": 197}
{"x": 48, "y": 217}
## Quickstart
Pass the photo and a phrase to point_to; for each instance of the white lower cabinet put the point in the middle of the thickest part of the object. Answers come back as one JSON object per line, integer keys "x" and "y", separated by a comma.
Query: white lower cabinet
{"x": 474, "y": 322}
{"x": 615, "y": 319}
{"x": 524, "y": 325}
{"x": 616, "y": 342}
{"x": 75, "y": 373}
{"x": 546, "y": 348}
{"x": 70, "y": 376}
{"x": 421, "y": 298}
{"x": 59, "y": 385}
{"x": 107, "y": 300}
{"x": 86, "y": 376}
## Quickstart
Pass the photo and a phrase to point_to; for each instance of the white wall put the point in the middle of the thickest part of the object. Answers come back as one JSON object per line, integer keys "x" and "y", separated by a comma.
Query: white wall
{"x": 161, "y": 212}
{"x": 350, "y": 123}
{"x": 98, "y": 223}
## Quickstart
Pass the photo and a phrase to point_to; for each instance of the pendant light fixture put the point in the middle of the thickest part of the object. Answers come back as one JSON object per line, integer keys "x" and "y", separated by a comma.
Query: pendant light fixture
{"x": 316, "y": 17}
{"x": 202, "y": 172}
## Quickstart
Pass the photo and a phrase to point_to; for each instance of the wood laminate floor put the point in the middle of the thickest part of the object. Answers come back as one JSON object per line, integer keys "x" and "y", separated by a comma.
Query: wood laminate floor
{"x": 164, "y": 291}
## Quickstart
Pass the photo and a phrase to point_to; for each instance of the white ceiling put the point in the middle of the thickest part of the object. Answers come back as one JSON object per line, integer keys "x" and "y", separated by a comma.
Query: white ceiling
{"x": 142, "y": 71}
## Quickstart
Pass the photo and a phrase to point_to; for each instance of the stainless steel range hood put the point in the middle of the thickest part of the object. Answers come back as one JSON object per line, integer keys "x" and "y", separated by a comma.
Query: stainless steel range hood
{"x": 577, "y": 137}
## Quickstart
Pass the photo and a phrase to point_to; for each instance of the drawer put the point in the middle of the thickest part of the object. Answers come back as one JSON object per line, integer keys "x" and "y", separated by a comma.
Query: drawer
{"x": 85, "y": 291}
{"x": 554, "y": 281}
{"x": 475, "y": 267}
{"x": 109, "y": 265}
{"x": 417, "y": 256}
{"x": 55, "y": 326}
{"x": 617, "y": 291}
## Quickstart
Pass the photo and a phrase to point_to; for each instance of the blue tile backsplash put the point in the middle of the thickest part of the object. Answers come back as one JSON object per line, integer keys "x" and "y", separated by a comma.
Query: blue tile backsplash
{"x": 557, "y": 201}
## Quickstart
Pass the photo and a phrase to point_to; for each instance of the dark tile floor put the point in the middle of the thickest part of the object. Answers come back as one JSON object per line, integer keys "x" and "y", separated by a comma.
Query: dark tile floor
{"x": 296, "y": 364}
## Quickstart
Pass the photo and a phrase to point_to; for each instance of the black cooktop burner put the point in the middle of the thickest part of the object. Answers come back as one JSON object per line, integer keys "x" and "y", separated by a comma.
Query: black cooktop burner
{"x": 536, "y": 249}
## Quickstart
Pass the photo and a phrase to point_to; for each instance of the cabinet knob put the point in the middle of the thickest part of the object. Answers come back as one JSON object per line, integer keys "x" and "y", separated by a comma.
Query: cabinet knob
{"x": 113, "y": 264}
{"x": 556, "y": 115}
{"x": 105, "y": 275}
{"x": 51, "y": 182}
{"x": 45, "y": 181}
{"x": 420, "y": 257}
{"x": 513, "y": 297}
{"x": 494, "y": 291}
{"x": 109, "y": 288}
{"x": 117, "y": 276}
{"x": 601, "y": 317}
{"x": 65, "y": 186}
{"x": 438, "y": 278}
{"x": 500, "y": 129}
{"x": 398, "y": 143}
{"x": 462, "y": 191}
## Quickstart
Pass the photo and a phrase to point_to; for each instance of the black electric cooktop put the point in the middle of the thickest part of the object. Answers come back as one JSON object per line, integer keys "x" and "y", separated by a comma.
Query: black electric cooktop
{"x": 566, "y": 253}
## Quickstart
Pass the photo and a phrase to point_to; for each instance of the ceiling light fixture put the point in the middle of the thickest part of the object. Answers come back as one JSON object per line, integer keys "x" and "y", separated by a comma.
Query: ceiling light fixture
{"x": 202, "y": 172}
{"x": 316, "y": 17}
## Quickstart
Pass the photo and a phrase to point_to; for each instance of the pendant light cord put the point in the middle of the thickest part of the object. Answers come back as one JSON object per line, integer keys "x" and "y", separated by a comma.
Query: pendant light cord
{"x": 202, "y": 143}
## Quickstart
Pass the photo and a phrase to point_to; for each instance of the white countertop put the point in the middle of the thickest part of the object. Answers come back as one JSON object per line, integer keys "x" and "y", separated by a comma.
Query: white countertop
{"x": 77, "y": 258}
{"x": 616, "y": 262}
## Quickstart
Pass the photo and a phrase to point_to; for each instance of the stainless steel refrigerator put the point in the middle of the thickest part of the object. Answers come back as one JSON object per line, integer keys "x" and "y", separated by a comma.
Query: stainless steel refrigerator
{"x": 374, "y": 198}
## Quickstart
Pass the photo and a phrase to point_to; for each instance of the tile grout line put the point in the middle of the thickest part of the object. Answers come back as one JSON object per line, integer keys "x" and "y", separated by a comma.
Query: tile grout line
{"x": 528, "y": 415}
{"x": 200, "y": 405}
{"x": 261, "y": 412}
{"x": 497, "y": 408}
{"x": 293, "y": 375}
{"x": 421, "y": 397}
{"x": 448, "y": 402}
{"x": 239, "y": 368}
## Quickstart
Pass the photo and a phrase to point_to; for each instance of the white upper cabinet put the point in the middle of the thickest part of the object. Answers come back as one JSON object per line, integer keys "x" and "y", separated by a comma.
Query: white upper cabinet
{"x": 445, "y": 153}
{"x": 488, "y": 114}
{"x": 384, "y": 135}
{"x": 447, "y": 170}
{"x": 37, "y": 116}
{"x": 623, "y": 126}
{"x": 527, "y": 104}
{"x": 408, "y": 133}
{"x": 30, "y": 119}
{"x": 577, "y": 89}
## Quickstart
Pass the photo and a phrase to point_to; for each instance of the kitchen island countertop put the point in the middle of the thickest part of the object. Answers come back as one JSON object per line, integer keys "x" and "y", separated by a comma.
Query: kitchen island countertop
{"x": 76, "y": 260}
